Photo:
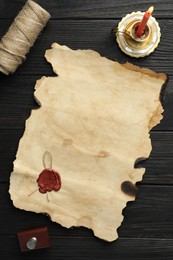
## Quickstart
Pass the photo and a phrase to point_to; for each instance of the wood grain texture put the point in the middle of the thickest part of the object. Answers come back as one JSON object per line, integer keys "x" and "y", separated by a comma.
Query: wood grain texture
{"x": 146, "y": 232}
{"x": 95, "y": 35}
{"x": 89, "y": 9}
{"x": 18, "y": 92}
{"x": 158, "y": 167}
{"x": 90, "y": 249}
{"x": 140, "y": 216}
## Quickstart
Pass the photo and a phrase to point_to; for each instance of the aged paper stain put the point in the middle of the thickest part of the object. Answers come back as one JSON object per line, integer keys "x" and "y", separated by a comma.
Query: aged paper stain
{"x": 94, "y": 118}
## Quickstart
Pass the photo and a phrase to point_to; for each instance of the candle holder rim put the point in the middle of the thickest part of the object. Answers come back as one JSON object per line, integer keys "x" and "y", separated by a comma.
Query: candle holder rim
{"x": 122, "y": 40}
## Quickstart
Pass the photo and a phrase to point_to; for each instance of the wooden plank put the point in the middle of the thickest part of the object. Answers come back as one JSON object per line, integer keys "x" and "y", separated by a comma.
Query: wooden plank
{"x": 96, "y": 35}
{"x": 150, "y": 216}
{"x": 146, "y": 232}
{"x": 89, "y": 9}
{"x": 93, "y": 249}
{"x": 158, "y": 170}
{"x": 16, "y": 102}
{"x": 158, "y": 167}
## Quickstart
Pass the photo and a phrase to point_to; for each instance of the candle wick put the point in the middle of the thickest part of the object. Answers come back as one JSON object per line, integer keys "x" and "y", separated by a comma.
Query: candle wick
{"x": 150, "y": 10}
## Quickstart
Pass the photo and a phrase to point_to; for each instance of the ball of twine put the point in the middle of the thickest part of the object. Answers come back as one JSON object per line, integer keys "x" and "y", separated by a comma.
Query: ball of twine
{"x": 22, "y": 34}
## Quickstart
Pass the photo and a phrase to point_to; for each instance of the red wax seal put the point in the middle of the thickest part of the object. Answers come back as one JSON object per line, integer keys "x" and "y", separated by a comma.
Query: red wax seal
{"x": 49, "y": 180}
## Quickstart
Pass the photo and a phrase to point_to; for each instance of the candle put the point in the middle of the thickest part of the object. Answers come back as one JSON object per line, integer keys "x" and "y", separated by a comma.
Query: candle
{"x": 142, "y": 25}
{"x": 126, "y": 34}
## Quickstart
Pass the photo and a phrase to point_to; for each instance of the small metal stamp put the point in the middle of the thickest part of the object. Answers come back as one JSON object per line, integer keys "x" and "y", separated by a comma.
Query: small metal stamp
{"x": 31, "y": 244}
{"x": 33, "y": 239}
{"x": 130, "y": 43}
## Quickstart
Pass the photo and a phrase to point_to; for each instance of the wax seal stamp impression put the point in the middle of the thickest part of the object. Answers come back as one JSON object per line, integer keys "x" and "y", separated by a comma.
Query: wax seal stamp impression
{"x": 138, "y": 34}
{"x": 49, "y": 179}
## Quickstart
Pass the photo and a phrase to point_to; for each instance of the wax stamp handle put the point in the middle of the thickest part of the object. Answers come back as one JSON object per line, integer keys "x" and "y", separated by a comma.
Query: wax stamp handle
{"x": 33, "y": 239}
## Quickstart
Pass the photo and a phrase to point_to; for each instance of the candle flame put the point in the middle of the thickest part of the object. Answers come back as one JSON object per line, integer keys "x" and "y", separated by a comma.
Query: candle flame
{"x": 151, "y": 9}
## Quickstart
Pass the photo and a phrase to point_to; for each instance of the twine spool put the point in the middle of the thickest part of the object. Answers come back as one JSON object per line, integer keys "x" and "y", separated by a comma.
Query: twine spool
{"x": 22, "y": 34}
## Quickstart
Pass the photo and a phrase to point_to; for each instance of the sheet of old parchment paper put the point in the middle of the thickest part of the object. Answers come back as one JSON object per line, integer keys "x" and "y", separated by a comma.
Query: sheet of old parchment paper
{"x": 94, "y": 123}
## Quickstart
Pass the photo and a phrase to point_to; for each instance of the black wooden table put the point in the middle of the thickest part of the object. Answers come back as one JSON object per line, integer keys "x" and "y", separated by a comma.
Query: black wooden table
{"x": 147, "y": 230}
